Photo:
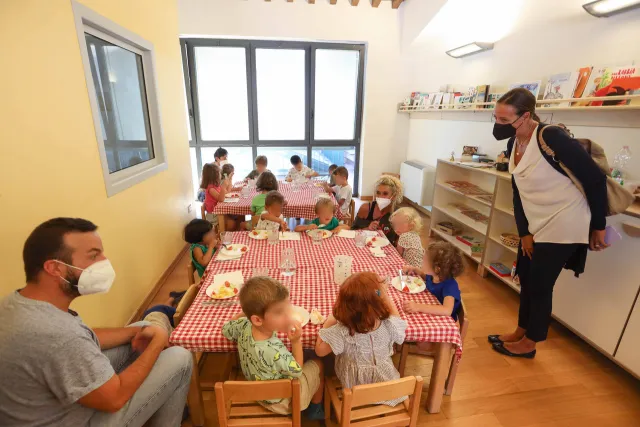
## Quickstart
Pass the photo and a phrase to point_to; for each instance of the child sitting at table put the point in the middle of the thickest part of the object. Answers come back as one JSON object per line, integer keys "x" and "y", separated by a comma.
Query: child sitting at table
{"x": 342, "y": 190}
{"x": 325, "y": 219}
{"x": 261, "y": 166}
{"x": 442, "y": 263}
{"x": 331, "y": 181}
{"x": 271, "y": 217}
{"x": 202, "y": 237}
{"x": 266, "y": 182}
{"x": 299, "y": 171}
{"x": 361, "y": 333}
{"x": 214, "y": 192}
{"x": 407, "y": 223}
{"x": 266, "y": 310}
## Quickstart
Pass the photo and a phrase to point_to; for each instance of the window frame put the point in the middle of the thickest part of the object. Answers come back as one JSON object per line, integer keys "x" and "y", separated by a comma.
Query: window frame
{"x": 88, "y": 21}
{"x": 188, "y": 46}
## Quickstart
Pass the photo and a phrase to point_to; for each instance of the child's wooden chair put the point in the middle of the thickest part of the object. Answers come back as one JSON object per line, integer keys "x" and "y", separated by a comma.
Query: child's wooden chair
{"x": 357, "y": 407}
{"x": 203, "y": 212}
{"x": 185, "y": 303}
{"x": 352, "y": 213}
{"x": 407, "y": 348}
{"x": 238, "y": 407}
{"x": 191, "y": 271}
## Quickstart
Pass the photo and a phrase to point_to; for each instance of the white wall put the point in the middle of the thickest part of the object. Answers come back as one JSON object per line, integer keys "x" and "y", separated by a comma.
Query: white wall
{"x": 384, "y": 131}
{"x": 536, "y": 39}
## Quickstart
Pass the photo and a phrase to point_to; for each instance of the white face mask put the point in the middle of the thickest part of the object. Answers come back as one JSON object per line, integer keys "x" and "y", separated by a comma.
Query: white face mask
{"x": 223, "y": 162}
{"x": 382, "y": 203}
{"x": 95, "y": 279}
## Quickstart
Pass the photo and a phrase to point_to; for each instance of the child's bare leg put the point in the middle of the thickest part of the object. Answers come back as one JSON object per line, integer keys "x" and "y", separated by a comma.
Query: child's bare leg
{"x": 317, "y": 397}
{"x": 169, "y": 301}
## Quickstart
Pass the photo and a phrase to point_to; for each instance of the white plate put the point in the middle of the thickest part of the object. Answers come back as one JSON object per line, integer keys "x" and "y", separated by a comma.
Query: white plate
{"x": 220, "y": 291}
{"x": 324, "y": 196}
{"x": 326, "y": 233}
{"x": 415, "y": 284}
{"x": 379, "y": 242}
{"x": 259, "y": 234}
{"x": 234, "y": 249}
{"x": 300, "y": 314}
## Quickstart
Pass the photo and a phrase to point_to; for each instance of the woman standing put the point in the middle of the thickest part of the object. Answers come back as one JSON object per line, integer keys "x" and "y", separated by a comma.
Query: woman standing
{"x": 376, "y": 215}
{"x": 555, "y": 221}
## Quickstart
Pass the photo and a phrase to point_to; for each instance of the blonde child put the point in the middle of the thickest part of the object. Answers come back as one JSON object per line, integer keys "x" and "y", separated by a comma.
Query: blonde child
{"x": 407, "y": 223}
{"x": 266, "y": 182}
{"x": 341, "y": 189}
{"x": 441, "y": 265}
{"x": 261, "y": 166}
{"x": 202, "y": 237}
{"x": 361, "y": 333}
{"x": 266, "y": 310}
{"x": 325, "y": 219}
{"x": 271, "y": 217}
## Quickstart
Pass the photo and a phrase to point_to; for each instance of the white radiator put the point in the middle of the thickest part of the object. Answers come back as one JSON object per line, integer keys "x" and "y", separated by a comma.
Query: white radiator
{"x": 419, "y": 181}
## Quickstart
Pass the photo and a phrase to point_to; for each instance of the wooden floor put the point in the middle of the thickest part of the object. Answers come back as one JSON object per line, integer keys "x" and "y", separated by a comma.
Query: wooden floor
{"x": 568, "y": 384}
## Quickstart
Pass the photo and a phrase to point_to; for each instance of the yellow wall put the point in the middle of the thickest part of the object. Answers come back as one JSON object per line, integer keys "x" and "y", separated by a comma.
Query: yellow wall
{"x": 49, "y": 161}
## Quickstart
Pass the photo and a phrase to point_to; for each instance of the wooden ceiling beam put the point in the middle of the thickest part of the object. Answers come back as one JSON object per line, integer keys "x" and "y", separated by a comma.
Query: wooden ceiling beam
{"x": 396, "y": 4}
{"x": 375, "y": 3}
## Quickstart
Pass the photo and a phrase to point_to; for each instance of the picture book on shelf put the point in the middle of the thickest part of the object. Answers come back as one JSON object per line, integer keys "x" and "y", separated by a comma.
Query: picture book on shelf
{"x": 583, "y": 78}
{"x": 560, "y": 86}
{"x": 436, "y": 99}
{"x": 609, "y": 81}
{"x": 500, "y": 269}
{"x": 533, "y": 87}
{"x": 481, "y": 94}
{"x": 493, "y": 97}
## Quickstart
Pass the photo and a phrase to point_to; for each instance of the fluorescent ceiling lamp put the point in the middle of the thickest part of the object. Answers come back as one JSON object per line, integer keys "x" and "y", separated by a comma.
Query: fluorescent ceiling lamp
{"x": 469, "y": 49}
{"x": 606, "y": 8}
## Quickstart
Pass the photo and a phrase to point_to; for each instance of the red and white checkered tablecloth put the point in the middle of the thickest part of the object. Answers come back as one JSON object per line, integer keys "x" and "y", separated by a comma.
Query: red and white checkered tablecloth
{"x": 312, "y": 286}
{"x": 300, "y": 203}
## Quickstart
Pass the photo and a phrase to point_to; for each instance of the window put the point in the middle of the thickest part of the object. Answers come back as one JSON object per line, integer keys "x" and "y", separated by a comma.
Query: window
{"x": 121, "y": 84}
{"x": 277, "y": 99}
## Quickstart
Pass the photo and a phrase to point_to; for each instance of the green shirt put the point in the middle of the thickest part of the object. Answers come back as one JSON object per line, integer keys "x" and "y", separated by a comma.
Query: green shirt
{"x": 329, "y": 227}
{"x": 199, "y": 268}
{"x": 261, "y": 360}
{"x": 257, "y": 204}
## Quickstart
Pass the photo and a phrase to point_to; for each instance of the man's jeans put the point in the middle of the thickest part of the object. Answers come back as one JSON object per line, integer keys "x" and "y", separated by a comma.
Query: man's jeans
{"x": 162, "y": 395}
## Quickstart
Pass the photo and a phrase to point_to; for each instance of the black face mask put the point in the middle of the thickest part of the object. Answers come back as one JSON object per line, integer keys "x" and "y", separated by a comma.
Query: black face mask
{"x": 504, "y": 131}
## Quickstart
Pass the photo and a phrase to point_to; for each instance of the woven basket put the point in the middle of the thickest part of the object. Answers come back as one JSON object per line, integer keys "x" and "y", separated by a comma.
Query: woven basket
{"x": 510, "y": 240}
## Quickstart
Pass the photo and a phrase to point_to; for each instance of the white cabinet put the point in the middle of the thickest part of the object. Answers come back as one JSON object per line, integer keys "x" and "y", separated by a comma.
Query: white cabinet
{"x": 628, "y": 353}
{"x": 597, "y": 304}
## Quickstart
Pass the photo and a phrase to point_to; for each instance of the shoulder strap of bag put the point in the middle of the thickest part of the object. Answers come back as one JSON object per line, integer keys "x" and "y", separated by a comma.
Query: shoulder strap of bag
{"x": 557, "y": 164}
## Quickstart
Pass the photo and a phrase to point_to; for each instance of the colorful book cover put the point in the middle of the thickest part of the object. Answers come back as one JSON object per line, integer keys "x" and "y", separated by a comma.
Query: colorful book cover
{"x": 533, "y": 87}
{"x": 583, "y": 78}
{"x": 493, "y": 97}
{"x": 436, "y": 99}
{"x": 560, "y": 86}
{"x": 481, "y": 94}
{"x": 611, "y": 81}
{"x": 500, "y": 269}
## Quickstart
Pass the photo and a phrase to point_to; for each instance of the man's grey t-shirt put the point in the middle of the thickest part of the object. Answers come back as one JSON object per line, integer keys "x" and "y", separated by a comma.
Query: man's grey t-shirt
{"x": 48, "y": 360}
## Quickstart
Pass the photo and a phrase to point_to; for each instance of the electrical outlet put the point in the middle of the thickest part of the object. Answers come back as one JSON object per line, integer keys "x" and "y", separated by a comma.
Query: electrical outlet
{"x": 189, "y": 208}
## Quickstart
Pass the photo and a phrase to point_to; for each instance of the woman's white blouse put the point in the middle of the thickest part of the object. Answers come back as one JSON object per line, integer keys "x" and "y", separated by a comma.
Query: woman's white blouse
{"x": 556, "y": 210}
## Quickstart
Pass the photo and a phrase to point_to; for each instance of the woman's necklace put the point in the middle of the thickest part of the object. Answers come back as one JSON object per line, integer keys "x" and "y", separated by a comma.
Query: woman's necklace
{"x": 521, "y": 147}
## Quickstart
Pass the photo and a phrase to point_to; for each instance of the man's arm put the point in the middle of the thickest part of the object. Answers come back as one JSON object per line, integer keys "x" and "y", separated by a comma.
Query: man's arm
{"x": 116, "y": 392}
{"x": 113, "y": 337}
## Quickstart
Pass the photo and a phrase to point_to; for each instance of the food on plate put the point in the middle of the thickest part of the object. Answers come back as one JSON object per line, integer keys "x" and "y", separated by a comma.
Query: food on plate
{"x": 230, "y": 248}
{"x": 244, "y": 249}
{"x": 224, "y": 292}
{"x": 227, "y": 284}
{"x": 255, "y": 233}
{"x": 324, "y": 234}
{"x": 405, "y": 289}
{"x": 369, "y": 244}
{"x": 316, "y": 317}
{"x": 374, "y": 239}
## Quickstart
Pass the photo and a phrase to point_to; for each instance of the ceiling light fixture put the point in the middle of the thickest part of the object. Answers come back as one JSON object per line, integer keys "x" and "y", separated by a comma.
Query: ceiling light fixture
{"x": 469, "y": 49}
{"x": 606, "y": 8}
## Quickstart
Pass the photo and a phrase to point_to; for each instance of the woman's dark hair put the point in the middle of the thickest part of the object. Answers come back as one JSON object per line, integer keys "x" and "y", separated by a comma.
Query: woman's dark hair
{"x": 267, "y": 182}
{"x": 522, "y": 100}
{"x": 196, "y": 229}
{"x": 210, "y": 175}
{"x": 295, "y": 160}
{"x": 227, "y": 169}
{"x": 46, "y": 242}
{"x": 220, "y": 152}
{"x": 273, "y": 197}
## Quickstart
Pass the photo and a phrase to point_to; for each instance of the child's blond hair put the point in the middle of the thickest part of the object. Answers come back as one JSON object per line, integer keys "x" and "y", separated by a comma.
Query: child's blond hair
{"x": 323, "y": 202}
{"x": 413, "y": 217}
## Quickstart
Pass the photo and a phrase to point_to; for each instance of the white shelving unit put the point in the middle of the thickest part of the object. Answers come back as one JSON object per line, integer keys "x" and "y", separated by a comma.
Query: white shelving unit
{"x": 499, "y": 212}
